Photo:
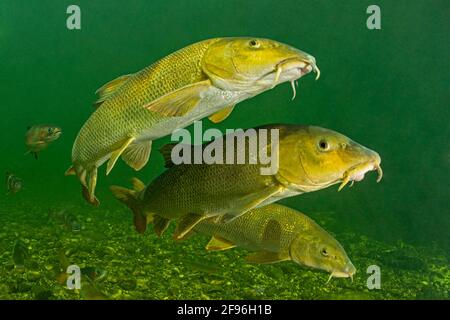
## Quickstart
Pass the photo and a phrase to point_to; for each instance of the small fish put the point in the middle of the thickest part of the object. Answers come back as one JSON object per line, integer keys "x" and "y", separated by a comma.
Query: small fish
{"x": 71, "y": 223}
{"x": 93, "y": 273}
{"x": 310, "y": 159}
{"x": 277, "y": 233}
{"x": 13, "y": 183}
{"x": 19, "y": 254}
{"x": 62, "y": 275}
{"x": 203, "y": 265}
{"x": 65, "y": 218}
{"x": 205, "y": 79}
{"x": 63, "y": 260}
{"x": 39, "y": 137}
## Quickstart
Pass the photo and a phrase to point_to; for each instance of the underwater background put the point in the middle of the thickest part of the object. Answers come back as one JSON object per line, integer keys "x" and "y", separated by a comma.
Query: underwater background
{"x": 387, "y": 89}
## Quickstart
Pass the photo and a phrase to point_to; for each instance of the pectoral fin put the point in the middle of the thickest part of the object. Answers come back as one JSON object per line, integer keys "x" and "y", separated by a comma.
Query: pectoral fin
{"x": 116, "y": 154}
{"x": 265, "y": 257}
{"x": 180, "y": 102}
{"x": 137, "y": 154}
{"x": 222, "y": 114}
{"x": 160, "y": 225}
{"x": 109, "y": 88}
{"x": 186, "y": 224}
{"x": 271, "y": 238}
{"x": 251, "y": 201}
{"x": 218, "y": 243}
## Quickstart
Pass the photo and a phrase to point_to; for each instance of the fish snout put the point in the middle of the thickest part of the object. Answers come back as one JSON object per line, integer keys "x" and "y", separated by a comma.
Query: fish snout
{"x": 373, "y": 163}
{"x": 369, "y": 160}
{"x": 350, "y": 269}
{"x": 57, "y": 132}
{"x": 376, "y": 165}
{"x": 313, "y": 65}
{"x": 347, "y": 272}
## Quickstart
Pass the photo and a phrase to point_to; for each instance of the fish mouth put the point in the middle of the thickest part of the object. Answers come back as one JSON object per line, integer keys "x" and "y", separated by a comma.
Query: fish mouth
{"x": 303, "y": 65}
{"x": 357, "y": 172}
{"x": 340, "y": 274}
{"x": 298, "y": 67}
{"x": 348, "y": 272}
{"x": 55, "y": 135}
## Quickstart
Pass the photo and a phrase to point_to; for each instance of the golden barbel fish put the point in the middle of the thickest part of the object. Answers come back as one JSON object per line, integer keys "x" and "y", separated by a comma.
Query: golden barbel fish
{"x": 39, "y": 137}
{"x": 207, "y": 78}
{"x": 278, "y": 233}
{"x": 310, "y": 159}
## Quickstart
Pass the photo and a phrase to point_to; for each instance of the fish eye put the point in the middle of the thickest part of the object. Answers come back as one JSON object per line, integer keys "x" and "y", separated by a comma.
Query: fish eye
{"x": 323, "y": 145}
{"x": 254, "y": 44}
{"x": 50, "y": 130}
{"x": 324, "y": 252}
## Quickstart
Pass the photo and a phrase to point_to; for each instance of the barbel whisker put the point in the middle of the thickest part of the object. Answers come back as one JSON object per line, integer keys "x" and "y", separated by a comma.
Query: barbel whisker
{"x": 317, "y": 70}
{"x": 329, "y": 278}
{"x": 277, "y": 76}
{"x": 293, "y": 89}
{"x": 380, "y": 173}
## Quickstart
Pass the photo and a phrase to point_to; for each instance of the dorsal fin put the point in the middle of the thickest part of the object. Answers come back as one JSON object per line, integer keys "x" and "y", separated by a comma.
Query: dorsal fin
{"x": 166, "y": 152}
{"x": 109, "y": 88}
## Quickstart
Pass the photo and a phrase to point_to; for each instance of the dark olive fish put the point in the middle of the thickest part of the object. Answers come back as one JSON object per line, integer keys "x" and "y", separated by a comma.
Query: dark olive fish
{"x": 66, "y": 219}
{"x": 310, "y": 159}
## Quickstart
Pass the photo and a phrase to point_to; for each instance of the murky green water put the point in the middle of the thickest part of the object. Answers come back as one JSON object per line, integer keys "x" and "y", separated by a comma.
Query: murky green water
{"x": 387, "y": 89}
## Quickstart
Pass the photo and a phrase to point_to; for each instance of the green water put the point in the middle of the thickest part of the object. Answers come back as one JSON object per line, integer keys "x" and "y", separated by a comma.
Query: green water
{"x": 387, "y": 89}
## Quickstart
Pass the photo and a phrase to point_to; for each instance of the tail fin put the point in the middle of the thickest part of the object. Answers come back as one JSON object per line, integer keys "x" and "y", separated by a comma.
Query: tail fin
{"x": 130, "y": 198}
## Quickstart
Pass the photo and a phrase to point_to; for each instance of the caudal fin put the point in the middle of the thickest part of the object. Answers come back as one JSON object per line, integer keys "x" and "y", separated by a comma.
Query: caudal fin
{"x": 130, "y": 198}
